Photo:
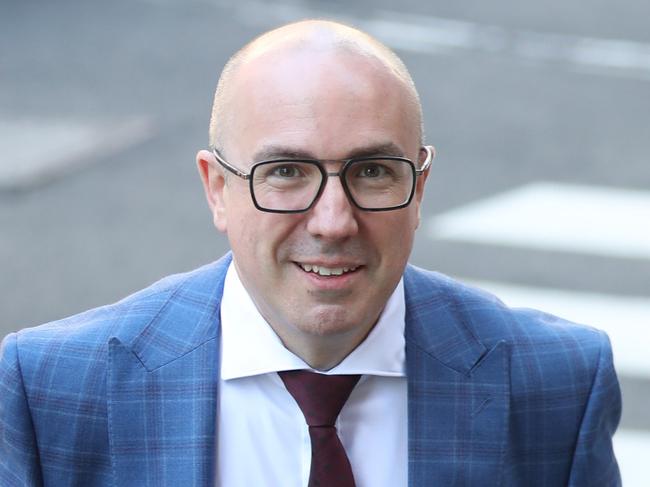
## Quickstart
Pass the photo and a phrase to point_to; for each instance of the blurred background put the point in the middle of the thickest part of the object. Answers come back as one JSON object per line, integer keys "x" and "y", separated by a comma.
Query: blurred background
{"x": 540, "y": 112}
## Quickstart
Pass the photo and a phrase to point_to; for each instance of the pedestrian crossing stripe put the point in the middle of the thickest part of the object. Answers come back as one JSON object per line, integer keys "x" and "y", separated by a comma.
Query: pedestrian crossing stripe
{"x": 554, "y": 216}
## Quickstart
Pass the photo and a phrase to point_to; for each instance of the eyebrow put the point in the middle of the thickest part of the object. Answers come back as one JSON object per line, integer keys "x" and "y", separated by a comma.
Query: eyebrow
{"x": 271, "y": 152}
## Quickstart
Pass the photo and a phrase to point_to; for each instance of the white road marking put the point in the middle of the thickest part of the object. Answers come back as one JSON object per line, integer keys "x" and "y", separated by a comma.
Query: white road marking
{"x": 553, "y": 216}
{"x": 430, "y": 35}
{"x": 625, "y": 319}
{"x": 35, "y": 150}
{"x": 632, "y": 448}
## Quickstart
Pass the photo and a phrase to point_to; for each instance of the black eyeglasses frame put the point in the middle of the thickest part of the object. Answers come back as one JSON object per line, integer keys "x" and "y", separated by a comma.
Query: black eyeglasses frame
{"x": 347, "y": 163}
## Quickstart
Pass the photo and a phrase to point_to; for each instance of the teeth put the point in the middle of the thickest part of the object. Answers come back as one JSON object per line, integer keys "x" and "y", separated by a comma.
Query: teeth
{"x": 326, "y": 271}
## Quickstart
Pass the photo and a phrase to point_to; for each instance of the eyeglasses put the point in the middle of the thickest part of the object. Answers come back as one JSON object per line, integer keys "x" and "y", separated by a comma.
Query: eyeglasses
{"x": 294, "y": 185}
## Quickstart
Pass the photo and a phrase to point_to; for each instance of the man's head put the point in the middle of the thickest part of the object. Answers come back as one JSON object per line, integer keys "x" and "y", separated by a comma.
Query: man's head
{"x": 316, "y": 90}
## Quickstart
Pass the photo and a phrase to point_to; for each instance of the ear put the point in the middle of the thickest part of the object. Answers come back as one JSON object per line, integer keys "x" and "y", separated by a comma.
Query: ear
{"x": 422, "y": 179}
{"x": 214, "y": 185}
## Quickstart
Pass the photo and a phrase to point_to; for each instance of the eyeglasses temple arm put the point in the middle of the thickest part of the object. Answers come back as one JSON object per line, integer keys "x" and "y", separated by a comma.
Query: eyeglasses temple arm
{"x": 229, "y": 167}
{"x": 427, "y": 161}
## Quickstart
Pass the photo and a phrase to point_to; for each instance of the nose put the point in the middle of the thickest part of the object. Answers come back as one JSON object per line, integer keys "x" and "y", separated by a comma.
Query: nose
{"x": 333, "y": 217}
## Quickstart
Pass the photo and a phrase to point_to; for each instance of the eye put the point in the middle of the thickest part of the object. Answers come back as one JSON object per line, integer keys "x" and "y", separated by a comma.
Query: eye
{"x": 372, "y": 170}
{"x": 285, "y": 171}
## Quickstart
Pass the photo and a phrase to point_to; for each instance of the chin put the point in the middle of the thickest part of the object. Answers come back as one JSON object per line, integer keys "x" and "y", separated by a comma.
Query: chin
{"x": 329, "y": 323}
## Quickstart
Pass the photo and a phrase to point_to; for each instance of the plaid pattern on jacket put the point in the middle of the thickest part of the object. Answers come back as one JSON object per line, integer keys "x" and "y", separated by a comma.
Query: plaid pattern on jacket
{"x": 126, "y": 394}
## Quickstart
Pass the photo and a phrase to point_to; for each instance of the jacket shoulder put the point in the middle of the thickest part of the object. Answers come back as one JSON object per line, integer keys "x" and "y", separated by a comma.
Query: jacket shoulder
{"x": 490, "y": 320}
{"x": 86, "y": 335}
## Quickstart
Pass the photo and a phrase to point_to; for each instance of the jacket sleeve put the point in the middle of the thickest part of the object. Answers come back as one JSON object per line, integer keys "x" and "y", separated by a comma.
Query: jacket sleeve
{"x": 19, "y": 460}
{"x": 594, "y": 462}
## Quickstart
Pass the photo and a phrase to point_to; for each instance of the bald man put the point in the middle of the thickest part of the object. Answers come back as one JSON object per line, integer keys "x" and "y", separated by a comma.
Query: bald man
{"x": 315, "y": 171}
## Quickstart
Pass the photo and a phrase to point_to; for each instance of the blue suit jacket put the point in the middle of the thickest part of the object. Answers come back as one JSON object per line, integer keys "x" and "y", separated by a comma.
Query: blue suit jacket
{"x": 125, "y": 395}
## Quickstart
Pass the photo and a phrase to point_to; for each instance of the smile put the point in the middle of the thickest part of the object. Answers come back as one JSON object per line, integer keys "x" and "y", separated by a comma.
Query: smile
{"x": 326, "y": 271}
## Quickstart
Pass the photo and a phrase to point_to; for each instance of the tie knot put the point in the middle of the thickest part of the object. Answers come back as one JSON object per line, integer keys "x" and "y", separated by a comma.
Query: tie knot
{"x": 319, "y": 396}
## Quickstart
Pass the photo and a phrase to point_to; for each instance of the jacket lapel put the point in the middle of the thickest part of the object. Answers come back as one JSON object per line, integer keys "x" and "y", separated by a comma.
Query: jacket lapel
{"x": 458, "y": 387}
{"x": 162, "y": 387}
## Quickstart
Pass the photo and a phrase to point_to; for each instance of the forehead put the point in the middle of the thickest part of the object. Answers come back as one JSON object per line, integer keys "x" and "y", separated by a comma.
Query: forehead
{"x": 320, "y": 100}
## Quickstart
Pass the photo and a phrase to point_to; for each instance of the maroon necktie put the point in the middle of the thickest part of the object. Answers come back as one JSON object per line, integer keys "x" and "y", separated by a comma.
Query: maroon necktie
{"x": 321, "y": 398}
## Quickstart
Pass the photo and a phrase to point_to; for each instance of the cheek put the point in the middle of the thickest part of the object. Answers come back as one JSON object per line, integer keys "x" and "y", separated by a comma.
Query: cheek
{"x": 262, "y": 237}
{"x": 242, "y": 231}
{"x": 397, "y": 237}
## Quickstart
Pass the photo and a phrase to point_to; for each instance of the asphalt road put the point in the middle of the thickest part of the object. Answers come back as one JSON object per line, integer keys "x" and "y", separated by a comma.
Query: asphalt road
{"x": 103, "y": 106}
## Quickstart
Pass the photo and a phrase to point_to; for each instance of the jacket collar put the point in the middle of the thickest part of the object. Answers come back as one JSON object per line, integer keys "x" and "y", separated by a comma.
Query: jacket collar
{"x": 437, "y": 324}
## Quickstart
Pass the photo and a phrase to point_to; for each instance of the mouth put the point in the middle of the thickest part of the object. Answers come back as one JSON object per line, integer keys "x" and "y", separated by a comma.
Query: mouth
{"x": 327, "y": 271}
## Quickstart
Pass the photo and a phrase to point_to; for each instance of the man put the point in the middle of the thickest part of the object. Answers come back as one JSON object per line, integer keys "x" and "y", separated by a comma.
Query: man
{"x": 316, "y": 174}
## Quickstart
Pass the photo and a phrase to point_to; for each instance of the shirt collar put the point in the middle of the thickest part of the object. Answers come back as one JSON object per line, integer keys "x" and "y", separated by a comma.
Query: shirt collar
{"x": 251, "y": 347}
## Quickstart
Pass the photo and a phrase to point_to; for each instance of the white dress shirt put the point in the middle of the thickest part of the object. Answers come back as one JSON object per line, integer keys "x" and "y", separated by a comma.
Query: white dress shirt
{"x": 263, "y": 439}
